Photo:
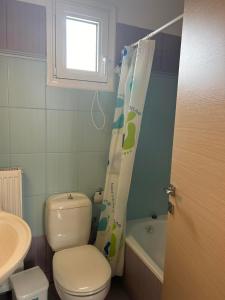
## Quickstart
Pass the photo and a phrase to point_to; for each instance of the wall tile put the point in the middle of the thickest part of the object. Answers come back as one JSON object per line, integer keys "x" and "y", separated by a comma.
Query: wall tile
{"x": 153, "y": 157}
{"x": 4, "y": 160}
{"x": 26, "y": 83}
{"x": 33, "y": 212}
{"x": 33, "y": 166}
{"x": 3, "y": 81}
{"x": 3, "y": 24}
{"x": 106, "y": 99}
{"x": 27, "y": 130}
{"x": 63, "y": 99}
{"x": 92, "y": 170}
{"x": 62, "y": 131}
{"x": 91, "y": 139}
{"x": 4, "y": 131}
{"x": 171, "y": 53}
{"x": 167, "y": 48}
{"x": 62, "y": 172}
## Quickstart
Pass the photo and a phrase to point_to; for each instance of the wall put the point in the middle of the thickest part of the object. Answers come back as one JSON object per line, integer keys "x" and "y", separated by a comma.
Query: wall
{"x": 48, "y": 132}
{"x": 151, "y": 172}
{"x": 149, "y": 14}
{"x": 153, "y": 158}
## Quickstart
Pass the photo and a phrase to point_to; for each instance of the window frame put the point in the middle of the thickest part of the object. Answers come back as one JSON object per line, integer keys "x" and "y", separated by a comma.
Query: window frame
{"x": 57, "y": 74}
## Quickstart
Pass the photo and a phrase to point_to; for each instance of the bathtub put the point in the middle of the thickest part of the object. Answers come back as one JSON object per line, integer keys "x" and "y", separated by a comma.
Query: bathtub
{"x": 144, "y": 257}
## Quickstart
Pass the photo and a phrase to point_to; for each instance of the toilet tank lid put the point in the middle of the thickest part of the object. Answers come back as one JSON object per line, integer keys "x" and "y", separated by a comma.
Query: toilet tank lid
{"x": 67, "y": 201}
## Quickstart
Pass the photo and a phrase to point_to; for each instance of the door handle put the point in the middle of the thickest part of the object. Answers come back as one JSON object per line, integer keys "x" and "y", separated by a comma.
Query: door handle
{"x": 170, "y": 190}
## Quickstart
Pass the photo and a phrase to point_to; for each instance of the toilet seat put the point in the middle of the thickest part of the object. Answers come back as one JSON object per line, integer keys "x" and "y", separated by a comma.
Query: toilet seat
{"x": 81, "y": 271}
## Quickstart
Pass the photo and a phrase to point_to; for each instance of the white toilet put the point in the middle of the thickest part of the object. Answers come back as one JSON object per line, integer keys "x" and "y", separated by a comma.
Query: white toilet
{"x": 80, "y": 270}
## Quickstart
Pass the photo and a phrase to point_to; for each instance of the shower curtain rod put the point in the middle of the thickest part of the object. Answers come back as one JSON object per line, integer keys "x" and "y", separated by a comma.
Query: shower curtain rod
{"x": 147, "y": 37}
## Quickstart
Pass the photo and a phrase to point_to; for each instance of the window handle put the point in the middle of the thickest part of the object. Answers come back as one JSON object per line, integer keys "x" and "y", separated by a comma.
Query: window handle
{"x": 104, "y": 65}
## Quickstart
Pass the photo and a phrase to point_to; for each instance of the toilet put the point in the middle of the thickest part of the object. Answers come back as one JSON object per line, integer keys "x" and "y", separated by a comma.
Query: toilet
{"x": 80, "y": 271}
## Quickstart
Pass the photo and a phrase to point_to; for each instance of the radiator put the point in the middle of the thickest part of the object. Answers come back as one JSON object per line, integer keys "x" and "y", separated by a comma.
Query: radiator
{"x": 11, "y": 191}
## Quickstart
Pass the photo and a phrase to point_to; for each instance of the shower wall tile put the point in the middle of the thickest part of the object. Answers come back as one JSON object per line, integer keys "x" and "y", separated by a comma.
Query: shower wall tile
{"x": 4, "y": 160}
{"x": 26, "y": 83}
{"x": 33, "y": 166}
{"x": 27, "y": 130}
{"x": 91, "y": 139}
{"x": 167, "y": 47}
{"x": 62, "y": 172}
{"x": 62, "y": 99}
{"x": 3, "y": 81}
{"x": 153, "y": 157}
{"x": 4, "y": 130}
{"x": 62, "y": 131}
{"x": 171, "y": 53}
{"x": 105, "y": 98}
{"x": 92, "y": 169}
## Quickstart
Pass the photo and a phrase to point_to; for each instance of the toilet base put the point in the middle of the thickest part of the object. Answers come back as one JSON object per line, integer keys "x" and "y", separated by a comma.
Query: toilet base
{"x": 99, "y": 296}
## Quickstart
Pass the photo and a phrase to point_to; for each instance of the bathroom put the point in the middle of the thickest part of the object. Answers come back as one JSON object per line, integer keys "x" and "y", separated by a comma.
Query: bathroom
{"x": 147, "y": 213}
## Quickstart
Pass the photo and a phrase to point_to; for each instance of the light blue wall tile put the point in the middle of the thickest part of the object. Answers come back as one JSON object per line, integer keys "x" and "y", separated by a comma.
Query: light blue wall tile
{"x": 27, "y": 130}
{"x": 50, "y": 143}
{"x": 3, "y": 81}
{"x": 27, "y": 81}
{"x": 62, "y": 172}
{"x": 62, "y": 131}
{"x": 92, "y": 170}
{"x": 33, "y": 213}
{"x": 106, "y": 100}
{"x": 33, "y": 166}
{"x": 151, "y": 171}
{"x": 4, "y": 160}
{"x": 91, "y": 139}
{"x": 4, "y": 130}
{"x": 63, "y": 99}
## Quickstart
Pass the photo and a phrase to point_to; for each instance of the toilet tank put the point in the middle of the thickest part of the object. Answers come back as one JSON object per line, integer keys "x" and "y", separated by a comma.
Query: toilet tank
{"x": 68, "y": 220}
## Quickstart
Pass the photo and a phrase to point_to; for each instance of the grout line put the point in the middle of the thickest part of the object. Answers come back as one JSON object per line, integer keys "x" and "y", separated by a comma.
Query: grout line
{"x": 9, "y": 115}
{"x": 51, "y": 109}
{"x": 43, "y": 153}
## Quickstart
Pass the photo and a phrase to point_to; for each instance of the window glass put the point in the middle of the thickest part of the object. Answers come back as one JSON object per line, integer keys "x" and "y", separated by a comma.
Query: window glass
{"x": 81, "y": 44}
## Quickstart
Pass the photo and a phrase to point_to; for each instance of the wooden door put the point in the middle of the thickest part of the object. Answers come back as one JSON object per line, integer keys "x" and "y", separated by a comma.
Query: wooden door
{"x": 195, "y": 253}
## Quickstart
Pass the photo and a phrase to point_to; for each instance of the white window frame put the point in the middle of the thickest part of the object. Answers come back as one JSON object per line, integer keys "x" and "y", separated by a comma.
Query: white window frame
{"x": 57, "y": 73}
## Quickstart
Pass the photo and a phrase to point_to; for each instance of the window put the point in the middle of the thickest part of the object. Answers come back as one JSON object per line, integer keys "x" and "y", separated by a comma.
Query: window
{"x": 80, "y": 44}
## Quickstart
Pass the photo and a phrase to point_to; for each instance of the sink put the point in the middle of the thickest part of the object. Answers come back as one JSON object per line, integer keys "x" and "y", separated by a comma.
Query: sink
{"x": 15, "y": 240}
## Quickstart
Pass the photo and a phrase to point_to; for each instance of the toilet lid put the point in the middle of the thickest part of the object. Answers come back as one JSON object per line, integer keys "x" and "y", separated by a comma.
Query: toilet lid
{"x": 81, "y": 270}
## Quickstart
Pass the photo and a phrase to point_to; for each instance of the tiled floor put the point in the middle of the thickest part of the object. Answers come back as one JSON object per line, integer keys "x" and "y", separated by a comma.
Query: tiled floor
{"x": 117, "y": 292}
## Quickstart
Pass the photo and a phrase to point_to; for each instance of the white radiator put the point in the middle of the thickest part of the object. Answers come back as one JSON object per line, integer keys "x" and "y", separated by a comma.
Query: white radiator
{"x": 11, "y": 191}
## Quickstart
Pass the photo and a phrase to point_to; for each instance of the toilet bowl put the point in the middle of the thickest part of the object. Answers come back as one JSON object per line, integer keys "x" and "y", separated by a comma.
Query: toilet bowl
{"x": 80, "y": 271}
{"x": 68, "y": 295}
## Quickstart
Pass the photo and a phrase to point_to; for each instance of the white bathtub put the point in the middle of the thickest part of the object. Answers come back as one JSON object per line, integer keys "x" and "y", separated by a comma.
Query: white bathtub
{"x": 147, "y": 237}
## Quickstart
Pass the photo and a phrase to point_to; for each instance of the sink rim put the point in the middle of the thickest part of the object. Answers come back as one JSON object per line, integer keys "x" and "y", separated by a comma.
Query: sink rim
{"x": 21, "y": 228}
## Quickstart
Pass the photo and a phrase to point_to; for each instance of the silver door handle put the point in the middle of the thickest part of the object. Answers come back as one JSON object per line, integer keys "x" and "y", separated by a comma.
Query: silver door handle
{"x": 170, "y": 190}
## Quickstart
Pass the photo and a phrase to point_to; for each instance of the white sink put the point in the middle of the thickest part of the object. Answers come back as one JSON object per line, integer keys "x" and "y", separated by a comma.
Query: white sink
{"x": 15, "y": 240}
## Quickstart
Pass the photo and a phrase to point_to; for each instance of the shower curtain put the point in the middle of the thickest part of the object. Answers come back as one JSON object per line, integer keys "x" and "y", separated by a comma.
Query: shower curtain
{"x": 134, "y": 79}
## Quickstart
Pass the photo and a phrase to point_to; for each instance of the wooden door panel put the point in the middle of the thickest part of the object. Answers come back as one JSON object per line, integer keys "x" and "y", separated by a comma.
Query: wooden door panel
{"x": 195, "y": 254}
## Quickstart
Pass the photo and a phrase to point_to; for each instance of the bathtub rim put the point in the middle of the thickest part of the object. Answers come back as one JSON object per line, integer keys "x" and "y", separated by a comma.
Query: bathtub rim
{"x": 140, "y": 251}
